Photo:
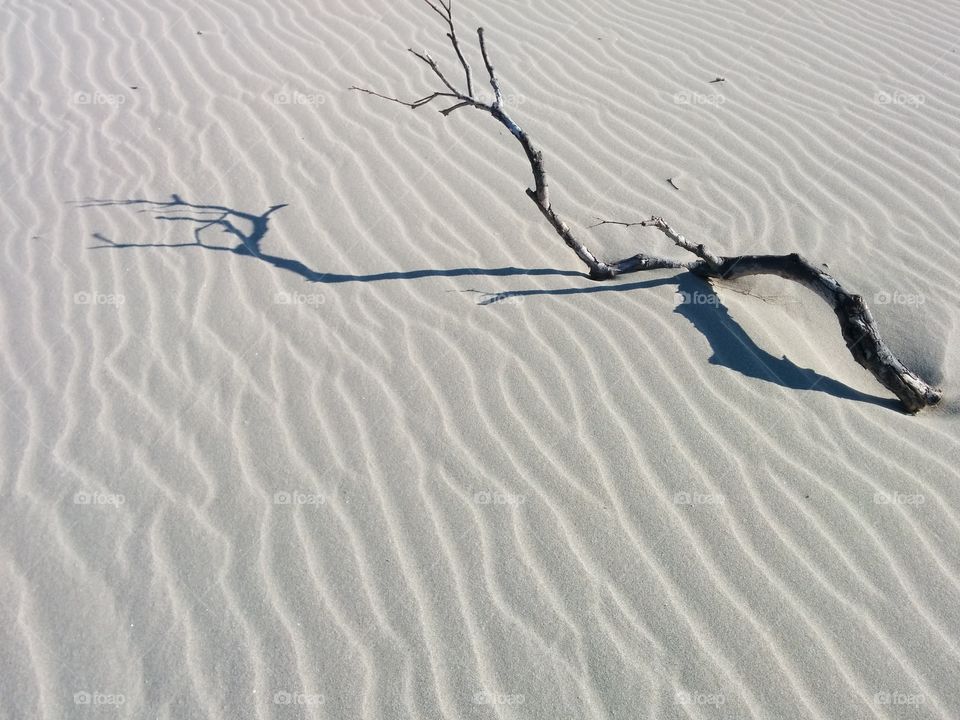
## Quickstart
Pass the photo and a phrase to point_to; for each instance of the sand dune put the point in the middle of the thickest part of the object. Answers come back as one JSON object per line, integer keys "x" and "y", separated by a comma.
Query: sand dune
{"x": 404, "y": 460}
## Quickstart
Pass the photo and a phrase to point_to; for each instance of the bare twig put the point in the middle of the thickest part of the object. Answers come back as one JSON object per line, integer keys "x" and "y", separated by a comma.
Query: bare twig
{"x": 494, "y": 83}
{"x": 465, "y": 103}
{"x": 433, "y": 66}
{"x": 615, "y": 222}
{"x": 680, "y": 241}
{"x": 415, "y": 104}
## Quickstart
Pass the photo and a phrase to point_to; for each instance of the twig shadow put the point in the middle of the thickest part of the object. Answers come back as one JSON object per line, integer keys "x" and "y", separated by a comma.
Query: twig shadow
{"x": 249, "y": 231}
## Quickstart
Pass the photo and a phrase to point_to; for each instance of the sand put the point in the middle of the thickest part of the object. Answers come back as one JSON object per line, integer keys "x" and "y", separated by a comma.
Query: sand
{"x": 330, "y": 482}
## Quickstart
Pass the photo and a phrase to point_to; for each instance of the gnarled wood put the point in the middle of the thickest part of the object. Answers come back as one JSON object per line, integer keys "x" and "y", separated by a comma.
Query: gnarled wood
{"x": 856, "y": 323}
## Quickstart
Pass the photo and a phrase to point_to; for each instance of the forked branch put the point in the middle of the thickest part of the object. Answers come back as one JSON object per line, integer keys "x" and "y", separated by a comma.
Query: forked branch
{"x": 466, "y": 98}
{"x": 856, "y": 323}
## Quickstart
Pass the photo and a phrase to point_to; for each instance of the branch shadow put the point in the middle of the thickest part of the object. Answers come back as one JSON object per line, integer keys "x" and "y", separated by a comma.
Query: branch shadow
{"x": 732, "y": 347}
{"x": 730, "y": 344}
{"x": 249, "y": 241}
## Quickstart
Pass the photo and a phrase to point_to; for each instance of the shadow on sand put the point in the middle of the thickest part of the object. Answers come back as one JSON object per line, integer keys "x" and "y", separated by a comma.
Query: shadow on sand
{"x": 249, "y": 241}
{"x": 732, "y": 347}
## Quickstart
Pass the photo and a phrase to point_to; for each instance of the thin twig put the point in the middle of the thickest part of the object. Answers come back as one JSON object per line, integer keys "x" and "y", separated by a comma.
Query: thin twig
{"x": 494, "y": 83}
{"x": 615, "y": 222}
{"x": 433, "y": 66}
{"x": 465, "y": 103}
{"x": 415, "y": 104}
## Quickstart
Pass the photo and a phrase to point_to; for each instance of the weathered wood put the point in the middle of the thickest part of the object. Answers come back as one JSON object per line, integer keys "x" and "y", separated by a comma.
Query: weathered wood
{"x": 857, "y": 325}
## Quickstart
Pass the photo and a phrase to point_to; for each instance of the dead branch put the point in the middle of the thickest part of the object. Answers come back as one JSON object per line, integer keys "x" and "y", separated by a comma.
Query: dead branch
{"x": 540, "y": 193}
{"x": 856, "y": 323}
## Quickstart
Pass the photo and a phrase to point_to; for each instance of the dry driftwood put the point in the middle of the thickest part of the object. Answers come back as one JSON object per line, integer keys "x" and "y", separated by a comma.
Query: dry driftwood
{"x": 857, "y": 325}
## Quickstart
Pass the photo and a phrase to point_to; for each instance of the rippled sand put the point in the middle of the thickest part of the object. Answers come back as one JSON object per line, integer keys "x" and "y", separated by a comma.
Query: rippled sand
{"x": 328, "y": 481}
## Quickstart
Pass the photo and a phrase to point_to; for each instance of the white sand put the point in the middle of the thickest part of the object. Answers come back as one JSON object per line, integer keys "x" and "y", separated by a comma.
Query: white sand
{"x": 490, "y": 519}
